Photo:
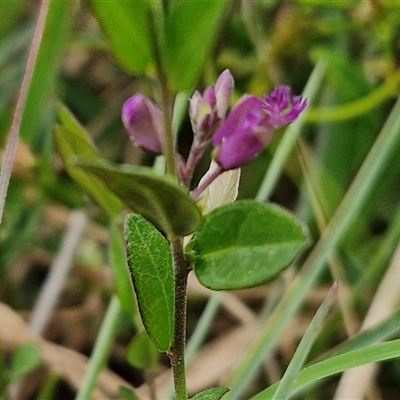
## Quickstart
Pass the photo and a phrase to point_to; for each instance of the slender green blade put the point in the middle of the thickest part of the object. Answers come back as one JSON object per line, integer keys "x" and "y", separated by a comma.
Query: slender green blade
{"x": 46, "y": 68}
{"x": 335, "y": 365}
{"x": 287, "y": 382}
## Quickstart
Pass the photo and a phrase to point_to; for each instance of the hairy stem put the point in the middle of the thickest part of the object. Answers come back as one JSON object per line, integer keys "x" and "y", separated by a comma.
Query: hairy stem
{"x": 177, "y": 352}
{"x": 195, "y": 154}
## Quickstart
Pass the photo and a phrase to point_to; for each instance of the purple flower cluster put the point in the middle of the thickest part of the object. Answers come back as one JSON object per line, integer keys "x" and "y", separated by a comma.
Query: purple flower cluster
{"x": 237, "y": 138}
{"x": 249, "y": 126}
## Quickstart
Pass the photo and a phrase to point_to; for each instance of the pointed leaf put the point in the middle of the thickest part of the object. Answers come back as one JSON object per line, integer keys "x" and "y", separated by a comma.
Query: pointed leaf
{"x": 127, "y": 394}
{"x": 215, "y": 393}
{"x": 191, "y": 28}
{"x": 25, "y": 359}
{"x": 71, "y": 144}
{"x": 141, "y": 352}
{"x": 162, "y": 202}
{"x": 244, "y": 244}
{"x": 150, "y": 262}
{"x": 126, "y": 25}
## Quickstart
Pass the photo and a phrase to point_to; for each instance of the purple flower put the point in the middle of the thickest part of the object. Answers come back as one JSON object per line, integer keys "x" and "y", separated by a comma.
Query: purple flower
{"x": 207, "y": 110}
{"x": 144, "y": 121}
{"x": 250, "y": 125}
{"x": 281, "y": 107}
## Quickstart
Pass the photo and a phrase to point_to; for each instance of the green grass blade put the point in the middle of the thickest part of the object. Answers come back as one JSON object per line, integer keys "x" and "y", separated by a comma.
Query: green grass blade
{"x": 338, "y": 364}
{"x": 285, "y": 386}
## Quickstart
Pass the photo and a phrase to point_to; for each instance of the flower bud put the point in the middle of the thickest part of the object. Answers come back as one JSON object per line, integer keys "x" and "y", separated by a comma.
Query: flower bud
{"x": 143, "y": 120}
{"x": 207, "y": 110}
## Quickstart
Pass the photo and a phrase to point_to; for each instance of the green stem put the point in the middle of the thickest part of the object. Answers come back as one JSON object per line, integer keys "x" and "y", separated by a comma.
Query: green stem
{"x": 177, "y": 352}
{"x": 157, "y": 19}
{"x": 169, "y": 138}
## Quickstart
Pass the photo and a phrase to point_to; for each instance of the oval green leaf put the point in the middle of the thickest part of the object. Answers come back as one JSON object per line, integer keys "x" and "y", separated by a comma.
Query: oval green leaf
{"x": 126, "y": 25}
{"x": 150, "y": 263}
{"x": 158, "y": 199}
{"x": 215, "y": 393}
{"x": 244, "y": 244}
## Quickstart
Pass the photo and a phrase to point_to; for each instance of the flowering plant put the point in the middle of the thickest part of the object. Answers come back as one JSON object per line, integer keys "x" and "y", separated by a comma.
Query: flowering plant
{"x": 174, "y": 230}
{"x": 228, "y": 245}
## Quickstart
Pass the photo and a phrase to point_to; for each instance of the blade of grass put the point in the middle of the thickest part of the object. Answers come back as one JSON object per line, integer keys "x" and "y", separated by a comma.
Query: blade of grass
{"x": 386, "y": 329}
{"x": 286, "y": 383}
{"x": 101, "y": 349}
{"x": 351, "y": 206}
{"x": 355, "y": 383}
{"x": 338, "y": 364}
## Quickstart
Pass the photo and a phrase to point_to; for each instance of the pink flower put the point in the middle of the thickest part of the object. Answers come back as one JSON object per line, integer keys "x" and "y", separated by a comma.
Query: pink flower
{"x": 249, "y": 126}
{"x": 207, "y": 110}
{"x": 144, "y": 121}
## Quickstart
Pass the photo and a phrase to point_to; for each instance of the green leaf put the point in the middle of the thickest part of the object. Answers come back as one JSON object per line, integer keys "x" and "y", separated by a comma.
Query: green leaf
{"x": 245, "y": 244}
{"x": 127, "y": 394}
{"x": 123, "y": 285}
{"x": 150, "y": 262}
{"x": 69, "y": 121}
{"x": 46, "y": 68}
{"x": 25, "y": 359}
{"x": 191, "y": 28}
{"x": 159, "y": 199}
{"x": 72, "y": 144}
{"x": 211, "y": 394}
{"x": 141, "y": 352}
{"x": 126, "y": 25}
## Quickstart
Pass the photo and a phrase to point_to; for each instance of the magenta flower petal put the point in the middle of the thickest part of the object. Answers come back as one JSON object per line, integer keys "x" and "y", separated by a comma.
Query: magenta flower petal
{"x": 143, "y": 120}
{"x": 249, "y": 126}
{"x": 282, "y": 107}
{"x": 244, "y": 133}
